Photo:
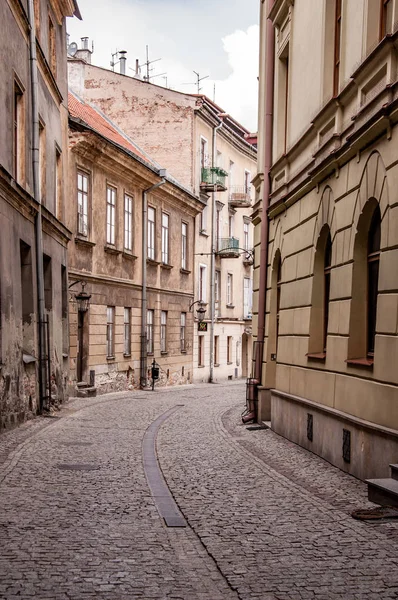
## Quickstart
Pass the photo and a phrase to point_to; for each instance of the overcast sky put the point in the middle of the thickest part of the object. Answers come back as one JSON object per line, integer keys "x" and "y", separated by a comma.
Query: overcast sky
{"x": 218, "y": 38}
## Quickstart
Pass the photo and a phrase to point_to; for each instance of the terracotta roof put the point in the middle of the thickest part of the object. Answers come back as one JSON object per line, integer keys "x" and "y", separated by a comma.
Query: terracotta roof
{"x": 94, "y": 119}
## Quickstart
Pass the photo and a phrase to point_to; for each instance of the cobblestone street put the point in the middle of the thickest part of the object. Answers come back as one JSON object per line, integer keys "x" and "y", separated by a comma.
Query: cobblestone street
{"x": 266, "y": 519}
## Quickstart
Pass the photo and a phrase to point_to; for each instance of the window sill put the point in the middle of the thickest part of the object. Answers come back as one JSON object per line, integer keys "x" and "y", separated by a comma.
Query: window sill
{"x": 151, "y": 261}
{"x": 127, "y": 355}
{"x": 317, "y": 356}
{"x": 112, "y": 249}
{"x": 183, "y": 351}
{"x": 230, "y": 305}
{"x": 164, "y": 353}
{"x": 149, "y": 353}
{"x": 185, "y": 271}
{"x": 110, "y": 358}
{"x": 229, "y": 363}
{"x": 201, "y": 366}
{"x": 84, "y": 242}
{"x": 217, "y": 364}
{"x": 204, "y": 233}
{"x": 166, "y": 266}
{"x": 129, "y": 255}
{"x": 367, "y": 363}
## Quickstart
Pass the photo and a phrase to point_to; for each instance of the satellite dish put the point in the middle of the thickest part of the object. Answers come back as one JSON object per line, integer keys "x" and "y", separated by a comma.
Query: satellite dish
{"x": 72, "y": 49}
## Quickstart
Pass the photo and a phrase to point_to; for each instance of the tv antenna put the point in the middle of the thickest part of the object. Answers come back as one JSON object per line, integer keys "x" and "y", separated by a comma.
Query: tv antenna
{"x": 197, "y": 83}
{"x": 148, "y": 62}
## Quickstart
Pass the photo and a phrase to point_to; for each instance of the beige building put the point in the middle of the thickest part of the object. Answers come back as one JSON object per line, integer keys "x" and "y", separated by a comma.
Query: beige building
{"x": 326, "y": 258}
{"x": 33, "y": 157}
{"x": 131, "y": 227}
{"x": 189, "y": 135}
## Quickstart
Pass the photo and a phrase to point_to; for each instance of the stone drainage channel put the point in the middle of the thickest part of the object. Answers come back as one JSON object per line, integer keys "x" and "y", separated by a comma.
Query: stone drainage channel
{"x": 164, "y": 501}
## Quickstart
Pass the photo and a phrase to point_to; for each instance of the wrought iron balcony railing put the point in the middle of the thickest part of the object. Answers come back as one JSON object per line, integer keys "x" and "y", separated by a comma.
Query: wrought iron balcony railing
{"x": 228, "y": 247}
{"x": 213, "y": 179}
{"x": 240, "y": 196}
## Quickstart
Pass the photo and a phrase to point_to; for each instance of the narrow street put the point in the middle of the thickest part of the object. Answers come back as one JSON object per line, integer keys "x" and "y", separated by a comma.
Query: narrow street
{"x": 265, "y": 519}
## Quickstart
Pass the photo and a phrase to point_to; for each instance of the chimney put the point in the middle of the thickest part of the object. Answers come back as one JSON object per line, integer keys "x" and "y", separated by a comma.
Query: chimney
{"x": 84, "y": 53}
{"x": 137, "y": 66}
{"x": 122, "y": 60}
{"x": 84, "y": 43}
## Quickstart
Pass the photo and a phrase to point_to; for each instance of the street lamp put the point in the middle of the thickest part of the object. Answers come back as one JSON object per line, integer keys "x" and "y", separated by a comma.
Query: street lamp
{"x": 201, "y": 311}
{"x": 82, "y": 298}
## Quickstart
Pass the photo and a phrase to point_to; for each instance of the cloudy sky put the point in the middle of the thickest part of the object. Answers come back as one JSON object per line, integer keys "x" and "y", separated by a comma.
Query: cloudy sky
{"x": 218, "y": 38}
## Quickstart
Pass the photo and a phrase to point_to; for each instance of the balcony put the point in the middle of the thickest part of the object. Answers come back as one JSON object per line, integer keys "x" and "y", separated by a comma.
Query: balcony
{"x": 228, "y": 248}
{"x": 240, "y": 196}
{"x": 248, "y": 258}
{"x": 213, "y": 179}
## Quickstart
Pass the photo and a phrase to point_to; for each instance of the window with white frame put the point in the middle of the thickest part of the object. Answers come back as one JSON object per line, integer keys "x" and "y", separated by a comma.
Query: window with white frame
{"x": 202, "y": 283}
{"x": 127, "y": 331}
{"x": 231, "y": 173}
{"x": 165, "y": 239}
{"x": 82, "y": 203}
{"x": 217, "y": 283}
{"x": 230, "y": 226}
{"x": 128, "y": 222}
{"x": 203, "y": 219}
{"x": 110, "y": 215}
{"x": 203, "y": 152}
{"x": 184, "y": 246}
{"x": 246, "y": 235}
{"x": 247, "y": 182}
{"x": 201, "y": 350}
{"x": 151, "y": 233}
{"x": 110, "y": 331}
{"x": 149, "y": 331}
{"x": 229, "y": 349}
{"x": 183, "y": 325}
{"x": 219, "y": 159}
{"x": 229, "y": 288}
{"x": 247, "y": 297}
{"x": 163, "y": 331}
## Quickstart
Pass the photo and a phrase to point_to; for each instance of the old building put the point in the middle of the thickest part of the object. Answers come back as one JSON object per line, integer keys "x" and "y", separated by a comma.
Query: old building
{"x": 33, "y": 158}
{"x": 213, "y": 156}
{"x": 130, "y": 256}
{"x": 326, "y": 229}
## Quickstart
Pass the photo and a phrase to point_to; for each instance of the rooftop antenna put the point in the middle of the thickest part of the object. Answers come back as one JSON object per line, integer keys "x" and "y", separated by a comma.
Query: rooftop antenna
{"x": 147, "y": 63}
{"x": 199, "y": 79}
{"x": 214, "y": 93}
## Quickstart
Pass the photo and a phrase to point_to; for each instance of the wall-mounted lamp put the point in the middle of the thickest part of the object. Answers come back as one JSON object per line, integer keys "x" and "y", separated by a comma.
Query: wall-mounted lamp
{"x": 201, "y": 311}
{"x": 82, "y": 298}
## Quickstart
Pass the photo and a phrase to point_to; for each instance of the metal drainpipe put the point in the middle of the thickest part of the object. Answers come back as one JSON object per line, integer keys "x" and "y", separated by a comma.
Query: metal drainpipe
{"x": 269, "y": 101}
{"x": 143, "y": 361}
{"x": 36, "y": 194}
{"x": 213, "y": 261}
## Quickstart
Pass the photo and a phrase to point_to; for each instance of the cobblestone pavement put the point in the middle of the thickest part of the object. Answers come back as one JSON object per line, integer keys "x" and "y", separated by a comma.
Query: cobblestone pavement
{"x": 267, "y": 519}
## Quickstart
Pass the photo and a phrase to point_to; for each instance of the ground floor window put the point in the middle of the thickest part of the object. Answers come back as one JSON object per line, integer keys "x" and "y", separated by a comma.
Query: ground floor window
{"x": 201, "y": 348}
{"x": 110, "y": 331}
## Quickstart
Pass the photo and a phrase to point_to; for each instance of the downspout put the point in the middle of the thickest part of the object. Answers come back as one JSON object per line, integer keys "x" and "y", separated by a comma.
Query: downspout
{"x": 36, "y": 194}
{"x": 269, "y": 101}
{"x": 143, "y": 352}
{"x": 213, "y": 259}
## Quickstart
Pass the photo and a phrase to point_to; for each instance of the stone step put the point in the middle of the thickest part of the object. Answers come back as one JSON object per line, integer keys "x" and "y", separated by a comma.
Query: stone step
{"x": 394, "y": 471}
{"x": 383, "y": 491}
{"x": 87, "y": 392}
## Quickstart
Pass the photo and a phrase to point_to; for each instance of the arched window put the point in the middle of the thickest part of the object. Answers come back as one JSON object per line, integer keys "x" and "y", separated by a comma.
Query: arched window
{"x": 278, "y": 298}
{"x": 319, "y": 319}
{"x": 373, "y": 279}
{"x": 365, "y": 276}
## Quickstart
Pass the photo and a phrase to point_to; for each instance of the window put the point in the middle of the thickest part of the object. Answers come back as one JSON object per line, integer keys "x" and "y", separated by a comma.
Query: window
{"x": 373, "y": 278}
{"x": 27, "y": 295}
{"x": 216, "y": 350}
{"x": 110, "y": 331}
{"x": 278, "y": 301}
{"x": 230, "y": 226}
{"x": 246, "y": 235}
{"x": 201, "y": 347}
{"x": 165, "y": 239}
{"x": 151, "y": 233}
{"x": 218, "y": 228}
{"x": 64, "y": 310}
{"x": 149, "y": 331}
{"x": 128, "y": 222}
{"x": 36, "y": 10}
{"x": 42, "y": 162}
{"x": 217, "y": 284}
{"x": 202, "y": 283}
{"x": 326, "y": 288}
{"x": 19, "y": 137}
{"x": 203, "y": 153}
{"x": 386, "y": 17}
{"x": 229, "y": 349}
{"x": 231, "y": 173}
{"x": 127, "y": 331}
{"x": 283, "y": 101}
{"x": 52, "y": 52}
{"x": 229, "y": 289}
{"x": 247, "y": 182}
{"x": 183, "y": 331}
{"x": 337, "y": 43}
{"x": 110, "y": 215}
{"x": 163, "y": 331}
{"x": 82, "y": 203}
{"x": 58, "y": 184}
{"x": 247, "y": 297}
{"x": 184, "y": 247}
{"x": 203, "y": 219}
{"x": 219, "y": 159}
{"x": 48, "y": 283}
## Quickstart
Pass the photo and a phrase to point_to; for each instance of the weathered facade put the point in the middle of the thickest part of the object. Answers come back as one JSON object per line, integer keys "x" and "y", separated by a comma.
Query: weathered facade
{"x": 328, "y": 373}
{"x": 179, "y": 131}
{"x": 108, "y": 174}
{"x": 34, "y": 239}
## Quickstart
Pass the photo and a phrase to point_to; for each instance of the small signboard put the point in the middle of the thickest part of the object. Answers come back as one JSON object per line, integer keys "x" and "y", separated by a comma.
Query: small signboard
{"x": 202, "y": 326}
